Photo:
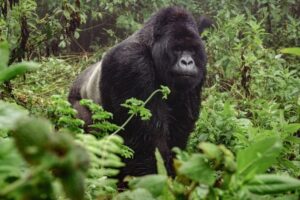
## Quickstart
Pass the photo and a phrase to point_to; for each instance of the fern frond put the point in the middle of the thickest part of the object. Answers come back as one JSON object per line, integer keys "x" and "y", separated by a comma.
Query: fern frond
{"x": 105, "y": 162}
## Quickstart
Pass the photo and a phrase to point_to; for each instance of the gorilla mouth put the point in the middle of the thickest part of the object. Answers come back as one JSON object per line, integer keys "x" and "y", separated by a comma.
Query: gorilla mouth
{"x": 184, "y": 74}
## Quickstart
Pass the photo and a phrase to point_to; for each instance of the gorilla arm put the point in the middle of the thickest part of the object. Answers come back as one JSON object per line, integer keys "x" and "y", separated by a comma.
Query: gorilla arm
{"x": 128, "y": 72}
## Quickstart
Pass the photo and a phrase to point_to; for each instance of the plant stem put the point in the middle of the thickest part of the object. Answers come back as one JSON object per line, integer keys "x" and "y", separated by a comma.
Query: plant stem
{"x": 191, "y": 188}
{"x": 22, "y": 181}
{"x": 132, "y": 115}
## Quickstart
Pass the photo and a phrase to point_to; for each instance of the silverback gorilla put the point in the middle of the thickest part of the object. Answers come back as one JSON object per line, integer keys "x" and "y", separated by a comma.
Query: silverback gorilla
{"x": 167, "y": 50}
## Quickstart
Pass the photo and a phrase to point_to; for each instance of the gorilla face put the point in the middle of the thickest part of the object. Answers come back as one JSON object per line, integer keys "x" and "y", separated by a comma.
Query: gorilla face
{"x": 179, "y": 54}
{"x": 187, "y": 61}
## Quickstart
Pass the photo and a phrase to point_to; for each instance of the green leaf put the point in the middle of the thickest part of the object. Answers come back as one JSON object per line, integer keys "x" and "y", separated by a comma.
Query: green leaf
{"x": 136, "y": 107}
{"x": 161, "y": 169}
{"x": 270, "y": 184}
{"x": 76, "y": 35}
{"x": 293, "y": 139}
{"x": 12, "y": 164}
{"x": 197, "y": 168}
{"x": 16, "y": 69}
{"x": 229, "y": 160}
{"x": 137, "y": 194}
{"x": 73, "y": 185}
{"x": 211, "y": 150}
{"x": 290, "y": 165}
{"x": 4, "y": 55}
{"x": 10, "y": 114}
{"x": 258, "y": 157}
{"x": 62, "y": 44}
{"x": 155, "y": 184}
{"x": 293, "y": 51}
{"x": 289, "y": 129}
{"x": 32, "y": 138}
{"x": 165, "y": 91}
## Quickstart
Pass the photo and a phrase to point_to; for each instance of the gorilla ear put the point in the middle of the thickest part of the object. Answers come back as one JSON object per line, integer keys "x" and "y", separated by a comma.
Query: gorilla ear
{"x": 204, "y": 23}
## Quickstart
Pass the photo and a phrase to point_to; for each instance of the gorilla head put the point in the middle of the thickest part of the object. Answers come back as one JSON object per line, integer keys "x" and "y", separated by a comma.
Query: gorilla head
{"x": 178, "y": 51}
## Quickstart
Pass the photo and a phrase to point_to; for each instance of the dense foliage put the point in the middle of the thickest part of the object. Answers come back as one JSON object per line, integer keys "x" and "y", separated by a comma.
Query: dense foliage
{"x": 245, "y": 144}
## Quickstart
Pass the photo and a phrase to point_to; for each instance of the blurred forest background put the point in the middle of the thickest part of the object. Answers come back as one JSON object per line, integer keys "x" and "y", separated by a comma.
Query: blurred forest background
{"x": 246, "y": 143}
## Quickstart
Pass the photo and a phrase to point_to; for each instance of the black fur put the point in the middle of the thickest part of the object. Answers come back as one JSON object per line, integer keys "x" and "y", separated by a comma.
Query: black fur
{"x": 138, "y": 66}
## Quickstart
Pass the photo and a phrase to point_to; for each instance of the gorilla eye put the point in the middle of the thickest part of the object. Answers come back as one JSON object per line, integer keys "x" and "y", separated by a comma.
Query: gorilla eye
{"x": 177, "y": 48}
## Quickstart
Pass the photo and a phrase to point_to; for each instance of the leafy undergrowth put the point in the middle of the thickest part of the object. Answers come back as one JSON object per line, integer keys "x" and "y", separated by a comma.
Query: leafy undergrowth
{"x": 34, "y": 90}
{"x": 245, "y": 144}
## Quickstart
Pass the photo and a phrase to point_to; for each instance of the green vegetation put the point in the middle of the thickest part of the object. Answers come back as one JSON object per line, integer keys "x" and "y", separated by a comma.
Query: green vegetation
{"x": 246, "y": 141}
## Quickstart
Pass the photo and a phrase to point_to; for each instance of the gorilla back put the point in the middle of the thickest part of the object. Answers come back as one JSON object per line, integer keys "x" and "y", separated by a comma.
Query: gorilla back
{"x": 167, "y": 50}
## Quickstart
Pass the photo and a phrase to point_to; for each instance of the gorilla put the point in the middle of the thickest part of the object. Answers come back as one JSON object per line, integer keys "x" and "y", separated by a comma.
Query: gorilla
{"x": 167, "y": 50}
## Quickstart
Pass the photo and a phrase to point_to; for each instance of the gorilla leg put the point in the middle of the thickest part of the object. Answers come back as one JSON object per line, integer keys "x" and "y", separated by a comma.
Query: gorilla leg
{"x": 83, "y": 114}
{"x": 86, "y": 86}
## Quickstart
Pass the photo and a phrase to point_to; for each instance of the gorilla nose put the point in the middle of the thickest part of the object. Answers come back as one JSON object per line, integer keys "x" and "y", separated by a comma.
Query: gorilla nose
{"x": 186, "y": 61}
